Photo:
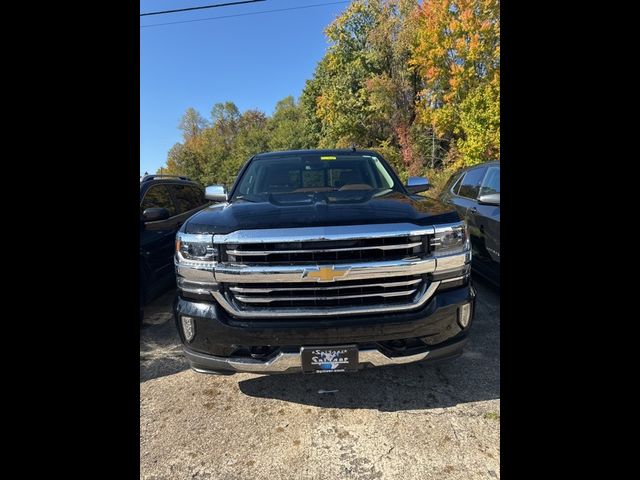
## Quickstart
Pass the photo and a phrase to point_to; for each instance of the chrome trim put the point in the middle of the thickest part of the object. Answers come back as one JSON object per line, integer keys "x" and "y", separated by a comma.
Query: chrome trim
{"x": 454, "y": 279}
{"x": 310, "y": 234}
{"x": 324, "y": 250}
{"x": 195, "y": 237}
{"x": 290, "y": 360}
{"x": 454, "y": 272}
{"x": 194, "y": 274}
{"x": 445, "y": 227}
{"x": 245, "y": 299}
{"x": 417, "y": 184}
{"x": 279, "y": 363}
{"x": 456, "y": 184}
{"x": 237, "y": 273}
{"x": 454, "y": 261}
{"x": 197, "y": 291}
{"x": 306, "y": 312}
{"x": 182, "y": 280}
{"x": 416, "y": 181}
{"x": 296, "y": 288}
{"x": 379, "y": 359}
{"x": 216, "y": 193}
{"x": 202, "y": 288}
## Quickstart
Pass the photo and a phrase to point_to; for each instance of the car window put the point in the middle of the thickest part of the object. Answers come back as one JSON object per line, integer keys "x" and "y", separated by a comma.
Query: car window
{"x": 198, "y": 194}
{"x": 187, "y": 198}
{"x": 456, "y": 187}
{"x": 470, "y": 185}
{"x": 311, "y": 173}
{"x": 454, "y": 183}
{"x": 491, "y": 183}
{"x": 158, "y": 196}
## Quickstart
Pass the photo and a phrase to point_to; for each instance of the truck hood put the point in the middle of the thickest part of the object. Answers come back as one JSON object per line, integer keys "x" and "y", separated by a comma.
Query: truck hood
{"x": 319, "y": 209}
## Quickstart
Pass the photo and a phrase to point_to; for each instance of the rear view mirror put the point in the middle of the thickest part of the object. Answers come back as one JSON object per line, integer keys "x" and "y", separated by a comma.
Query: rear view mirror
{"x": 155, "y": 214}
{"x": 417, "y": 184}
{"x": 216, "y": 193}
{"x": 490, "y": 199}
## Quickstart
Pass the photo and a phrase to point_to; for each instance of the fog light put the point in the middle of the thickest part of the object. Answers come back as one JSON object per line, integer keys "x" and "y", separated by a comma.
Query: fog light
{"x": 464, "y": 315}
{"x": 188, "y": 328}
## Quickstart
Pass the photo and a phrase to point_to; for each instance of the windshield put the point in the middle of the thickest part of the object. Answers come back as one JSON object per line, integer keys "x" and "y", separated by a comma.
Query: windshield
{"x": 314, "y": 173}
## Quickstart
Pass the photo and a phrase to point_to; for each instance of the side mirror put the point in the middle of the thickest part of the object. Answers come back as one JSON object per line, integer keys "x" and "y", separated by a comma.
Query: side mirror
{"x": 417, "y": 184}
{"x": 155, "y": 214}
{"x": 216, "y": 193}
{"x": 490, "y": 199}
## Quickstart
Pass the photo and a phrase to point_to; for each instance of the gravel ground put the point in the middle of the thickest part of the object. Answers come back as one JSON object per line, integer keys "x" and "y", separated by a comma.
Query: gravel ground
{"x": 419, "y": 421}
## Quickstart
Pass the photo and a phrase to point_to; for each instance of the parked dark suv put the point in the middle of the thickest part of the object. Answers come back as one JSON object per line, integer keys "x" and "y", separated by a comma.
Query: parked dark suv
{"x": 475, "y": 193}
{"x": 165, "y": 203}
{"x": 322, "y": 261}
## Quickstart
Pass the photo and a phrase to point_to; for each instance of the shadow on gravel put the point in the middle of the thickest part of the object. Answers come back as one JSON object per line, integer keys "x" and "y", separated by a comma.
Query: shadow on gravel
{"x": 160, "y": 348}
{"x": 472, "y": 377}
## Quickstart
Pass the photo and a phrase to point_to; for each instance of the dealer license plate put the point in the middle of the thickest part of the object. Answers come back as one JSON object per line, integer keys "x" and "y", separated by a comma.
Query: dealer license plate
{"x": 338, "y": 359}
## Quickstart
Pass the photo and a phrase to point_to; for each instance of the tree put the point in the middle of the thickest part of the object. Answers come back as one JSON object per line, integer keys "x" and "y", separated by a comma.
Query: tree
{"x": 364, "y": 88}
{"x": 288, "y": 129}
{"x": 191, "y": 124}
{"x": 457, "y": 54}
{"x": 419, "y": 82}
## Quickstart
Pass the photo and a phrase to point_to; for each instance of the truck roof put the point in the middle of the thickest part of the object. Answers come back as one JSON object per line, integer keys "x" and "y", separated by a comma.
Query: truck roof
{"x": 331, "y": 151}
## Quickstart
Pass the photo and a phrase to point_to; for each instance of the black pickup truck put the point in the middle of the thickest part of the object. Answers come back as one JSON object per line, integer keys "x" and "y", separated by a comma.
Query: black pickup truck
{"x": 321, "y": 261}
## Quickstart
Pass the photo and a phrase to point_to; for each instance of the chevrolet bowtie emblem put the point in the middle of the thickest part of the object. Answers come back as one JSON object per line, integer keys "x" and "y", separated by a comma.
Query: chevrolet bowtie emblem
{"x": 325, "y": 274}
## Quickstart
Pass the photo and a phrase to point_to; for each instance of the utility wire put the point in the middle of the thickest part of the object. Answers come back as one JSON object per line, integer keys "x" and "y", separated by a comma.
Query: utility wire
{"x": 244, "y": 14}
{"x": 199, "y": 8}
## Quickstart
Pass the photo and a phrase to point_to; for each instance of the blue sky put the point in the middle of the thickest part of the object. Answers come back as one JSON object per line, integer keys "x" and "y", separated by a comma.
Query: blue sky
{"x": 252, "y": 60}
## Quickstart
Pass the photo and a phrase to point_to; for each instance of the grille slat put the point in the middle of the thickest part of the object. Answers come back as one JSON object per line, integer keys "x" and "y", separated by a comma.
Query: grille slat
{"x": 270, "y": 252}
{"x": 378, "y": 291}
{"x": 340, "y": 287}
{"x": 250, "y": 299}
{"x": 325, "y": 251}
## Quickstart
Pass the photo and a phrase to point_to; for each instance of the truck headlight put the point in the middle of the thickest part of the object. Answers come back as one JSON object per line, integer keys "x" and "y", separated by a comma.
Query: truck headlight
{"x": 195, "y": 248}
{"x": 450, "y": 240}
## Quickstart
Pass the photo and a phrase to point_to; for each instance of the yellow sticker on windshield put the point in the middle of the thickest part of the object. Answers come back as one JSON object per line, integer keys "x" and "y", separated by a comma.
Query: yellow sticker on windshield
{"x": 327, "y": 158}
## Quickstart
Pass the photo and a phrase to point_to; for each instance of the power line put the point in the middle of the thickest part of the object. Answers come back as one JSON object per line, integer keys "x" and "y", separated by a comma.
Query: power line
{"x": 244, "y": 14}
{"x": 199, "y": 8}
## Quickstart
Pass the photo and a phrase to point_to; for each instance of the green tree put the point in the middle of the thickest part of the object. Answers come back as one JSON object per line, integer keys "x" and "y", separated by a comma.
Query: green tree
{"x": 288, "y": 127}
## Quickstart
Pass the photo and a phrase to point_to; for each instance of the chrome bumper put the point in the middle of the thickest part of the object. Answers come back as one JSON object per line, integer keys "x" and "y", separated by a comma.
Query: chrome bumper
{"x": 286, "y": 361}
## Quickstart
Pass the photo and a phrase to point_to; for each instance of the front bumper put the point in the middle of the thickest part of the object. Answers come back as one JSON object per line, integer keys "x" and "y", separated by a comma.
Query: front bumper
{"x": 223, "y": 344}
{"x": 289, "y": 362}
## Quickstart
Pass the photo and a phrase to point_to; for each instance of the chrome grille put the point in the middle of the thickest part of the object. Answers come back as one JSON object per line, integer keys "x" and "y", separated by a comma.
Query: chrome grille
{"x": 377, "y": 291}
{"x": 326, "y": 251}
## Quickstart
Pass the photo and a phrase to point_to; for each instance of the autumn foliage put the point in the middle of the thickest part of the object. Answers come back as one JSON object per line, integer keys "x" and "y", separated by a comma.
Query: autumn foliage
{"x": 418, "y": 81}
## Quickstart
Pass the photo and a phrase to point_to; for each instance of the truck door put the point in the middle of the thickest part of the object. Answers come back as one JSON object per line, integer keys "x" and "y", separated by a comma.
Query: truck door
{"x": 157, "y": 239}
{"x": 488, "y": 221}
{"x": 467, "y": 206}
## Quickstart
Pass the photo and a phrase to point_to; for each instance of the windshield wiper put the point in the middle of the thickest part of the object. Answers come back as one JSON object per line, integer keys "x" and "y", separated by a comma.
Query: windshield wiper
{"x": 246, "y": 199}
